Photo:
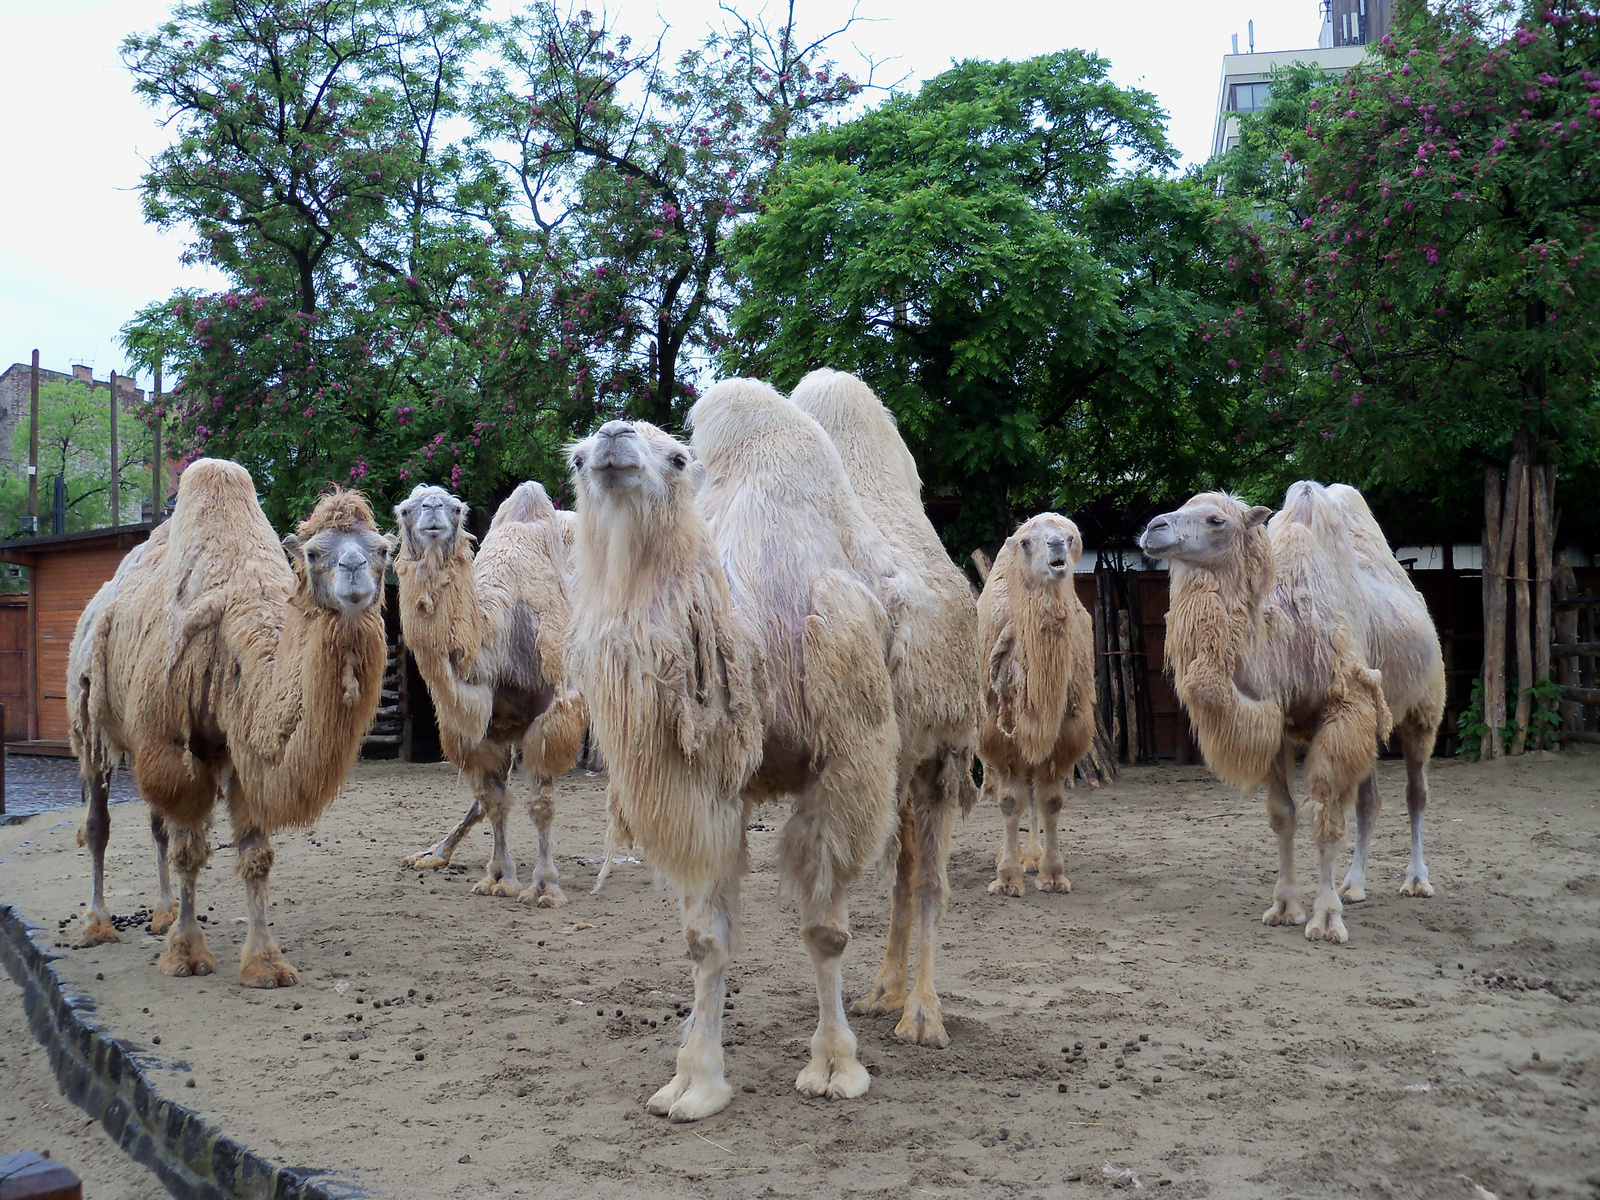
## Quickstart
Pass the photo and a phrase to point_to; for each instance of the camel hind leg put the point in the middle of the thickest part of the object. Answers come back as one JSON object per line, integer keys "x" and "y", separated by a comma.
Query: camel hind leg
{"x": 1353, "y": 890}
{"x": 1033, "y": 852}
{"x": 440, "y": 853}
{"x": 486, "y": 772}
{"x": 1417, "y": 741}
{"x": 1009, "y": 875}
{"x": 697, "y": 1088}
{"x": 544, "y": 890}
{"x": 98, "y": 927}
{"x": 935, "y": 799}
{"x": 166, "y": 909}
{"x": 1285, "y": 908}
{"x": 888, "y": 994}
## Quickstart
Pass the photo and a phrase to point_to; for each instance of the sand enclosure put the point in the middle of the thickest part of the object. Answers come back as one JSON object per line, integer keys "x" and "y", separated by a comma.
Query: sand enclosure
{"x": 443, "y": 1044}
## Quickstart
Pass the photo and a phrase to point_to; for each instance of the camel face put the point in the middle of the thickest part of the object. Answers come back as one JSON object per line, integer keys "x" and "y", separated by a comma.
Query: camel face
{"x": 343, "y": 567}
{"x": 1203, "y": 531}
{"x": 430, "y": 519}
{"x": 626, "y": 460}
{"x": 1049, "y": 546}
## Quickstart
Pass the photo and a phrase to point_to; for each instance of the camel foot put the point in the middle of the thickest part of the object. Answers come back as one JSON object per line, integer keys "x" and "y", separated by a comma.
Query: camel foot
{"x": 544, "y": 895}
{"x": 489, "y": 885}
{"x": 97, "y": 930}
{"x": 1285, "y": 910}
{"x": 1326, "y": 925}
{"x": 267, "y": 970}
{"x": 687, "y": 1099}
{"x": 186, "y": 956}
{"x": 881, "y": 1001}
{"x": 923, "y": 1023}
{"x": 1352, "y": 893}
{"x": 1056, "y": 882}
{"x": 1007, "y": 883}
{"x": 1416, "y": 887}
{"x": 837, "y": 1081}
{"x": 1031, "y": 858}
{"x": 427, "y": 860}
{"x": 161, "y": 919}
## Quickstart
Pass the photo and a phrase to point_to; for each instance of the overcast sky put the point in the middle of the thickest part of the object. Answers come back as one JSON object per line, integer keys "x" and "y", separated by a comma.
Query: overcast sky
{"x": 77, "y": 258}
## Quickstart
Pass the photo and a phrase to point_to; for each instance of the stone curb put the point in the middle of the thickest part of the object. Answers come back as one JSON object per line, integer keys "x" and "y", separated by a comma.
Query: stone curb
{"x": 105, "y": 1077}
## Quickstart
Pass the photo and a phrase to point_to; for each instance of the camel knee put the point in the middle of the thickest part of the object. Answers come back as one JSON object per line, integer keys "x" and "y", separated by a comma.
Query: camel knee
{"x": 826, "y": 941}
{"x": 190, "y": 853}
{"x": 1012, "y": 803}
{"x": 255, "y": 860}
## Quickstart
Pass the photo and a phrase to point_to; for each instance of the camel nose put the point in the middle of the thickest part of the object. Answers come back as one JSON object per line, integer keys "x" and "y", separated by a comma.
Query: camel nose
{"x": 613, "y": 429}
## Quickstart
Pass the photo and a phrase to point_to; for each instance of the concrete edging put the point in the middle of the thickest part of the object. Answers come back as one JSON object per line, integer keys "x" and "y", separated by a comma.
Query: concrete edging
{"x": 105, "y": 1076}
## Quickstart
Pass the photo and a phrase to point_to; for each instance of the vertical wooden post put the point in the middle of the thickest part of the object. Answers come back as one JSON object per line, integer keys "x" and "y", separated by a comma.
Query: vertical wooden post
{"x": 1494, "y": 603}
{"x": 33, "y": 649}
{"x": 1543, "y": 565}
{"x": 116, "y": 473}
{"x": 1129, "y": 692}
{"x": 2, "y": 760}
{"x": 33, "y": 445}
{"x": 1525, "y": 680}
{"x": 156, "y": 504}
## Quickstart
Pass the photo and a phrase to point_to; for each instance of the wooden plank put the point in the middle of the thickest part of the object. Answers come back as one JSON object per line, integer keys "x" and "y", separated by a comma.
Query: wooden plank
{"x": 1578, "y": 735}
{"x": 1575, "y": 649}
{"x": 1583, "y": 695}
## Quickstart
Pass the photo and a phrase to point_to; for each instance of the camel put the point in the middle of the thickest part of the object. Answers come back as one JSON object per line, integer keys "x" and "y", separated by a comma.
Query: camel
{"x": 220, "y": 668}
{"x": 1306, "y": 632}
{"x": 734, "y": 649}
{"x": 1037, "y": 661}
{"x": 935, "y": 690}
{"x": 487, "y": 633}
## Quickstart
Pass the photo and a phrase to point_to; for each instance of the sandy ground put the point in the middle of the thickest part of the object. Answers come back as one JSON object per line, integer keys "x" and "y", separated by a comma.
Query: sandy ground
{"x": 443, "y": 1044}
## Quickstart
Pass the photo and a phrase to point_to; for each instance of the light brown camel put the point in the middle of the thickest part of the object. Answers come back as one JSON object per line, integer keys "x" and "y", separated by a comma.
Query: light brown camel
{"x": 1297, "y": 633}
{"x": 219, "y": 668}
{"x": 1037, "y": 646}
{"x": 487, "y": 633}
{"x": 679, "y": 605}
{"x": 935, "y": 688}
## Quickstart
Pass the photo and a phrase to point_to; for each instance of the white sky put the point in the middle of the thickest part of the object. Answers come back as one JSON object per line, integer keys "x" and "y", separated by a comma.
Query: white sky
{"x": 77, "y": 258}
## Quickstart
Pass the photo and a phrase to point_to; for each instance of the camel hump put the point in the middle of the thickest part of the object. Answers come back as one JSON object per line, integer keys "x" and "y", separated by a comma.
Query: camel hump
{"x": 210, "y": 483}
{"x": 863, "y": 428}
{"x": 528, "y": 505}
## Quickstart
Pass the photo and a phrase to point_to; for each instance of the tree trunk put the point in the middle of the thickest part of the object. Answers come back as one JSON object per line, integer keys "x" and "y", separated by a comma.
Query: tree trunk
{"x": 1492, "y": 690}
{"x": 1544, "y": 564}
{"x": 1527, "y": 483}
{"x": 1130, "y": 694}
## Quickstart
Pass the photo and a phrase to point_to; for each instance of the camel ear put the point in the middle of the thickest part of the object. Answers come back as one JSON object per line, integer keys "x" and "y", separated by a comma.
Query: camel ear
{"x": 696, "y": 473}
{"x": 1256, "y": 516}
{"x": 391, "y": 543}
{"x": 291, "y": 547}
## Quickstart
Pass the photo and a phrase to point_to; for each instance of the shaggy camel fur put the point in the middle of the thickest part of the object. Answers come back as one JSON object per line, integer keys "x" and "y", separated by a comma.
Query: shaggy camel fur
{"x": 935, "y": 691}
{"x": 221, "y": 669}
{"x": 1306, "y": 632}
{"x": 1037, "y": 644}
{"x": 677, "y": 649}
{"x": 487, "y": 633}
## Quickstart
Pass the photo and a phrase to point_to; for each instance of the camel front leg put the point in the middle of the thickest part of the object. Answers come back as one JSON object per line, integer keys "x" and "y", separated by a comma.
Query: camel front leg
{"x": 98, "y": 927}
{"x": 488, "y": 779}
{"x": 544, "y": 891}
{"x": 923, "y": 1021}
{"x": 1354, "y": 888}
{"x": 834, "y": 1071}
{"x": 1418, "y": 744}
{"x": 1285, "y": 908}
{"x": 1008, "y": 863}
{"x": 1327, "y": 920}
{"x": 888, "y": 994}
{"x": 186, "y": 952}
{"x": 261, "y": 963}
{"x": 439, "y": 854}
{"x": 698, "y": 1088}
{"x": 1048, "y": 802}
{"x": 166, "y": 910}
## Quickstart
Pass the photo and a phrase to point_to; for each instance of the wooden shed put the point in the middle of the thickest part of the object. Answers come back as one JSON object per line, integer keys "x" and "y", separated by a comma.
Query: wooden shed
{"x": 64, "y": 573}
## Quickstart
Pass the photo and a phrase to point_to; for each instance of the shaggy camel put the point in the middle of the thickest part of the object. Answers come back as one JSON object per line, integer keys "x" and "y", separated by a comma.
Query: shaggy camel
{"x": 221, "y": 669}
{"x": 1302, "y": 631}
{"x": 1037, "y": 661}
{"x": 487, "y": 634}
{"x": 675, "y": 650}
{"x": 935, "y": 691}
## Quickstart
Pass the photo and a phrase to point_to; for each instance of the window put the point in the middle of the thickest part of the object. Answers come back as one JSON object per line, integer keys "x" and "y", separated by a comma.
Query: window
{"x": 1250, "y": 97}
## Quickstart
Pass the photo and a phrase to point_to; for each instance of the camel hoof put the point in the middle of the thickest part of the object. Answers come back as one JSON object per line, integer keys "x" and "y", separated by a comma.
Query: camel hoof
{"x": 660, "y": 1105}
{"x": 923, "y": 1024}
{"x": 506, "y": 889}
{"x": 267, "y": 973}
{"x": 846, "y": 1081}
{"x": 1352, "y": 893}
{"x": 700, "y": 1100}
{"x": 1284, "y": 912}
{"x": 182, "y": 962}
{"x": 1003, "y": 887}
{"x": 1031, "y": 860}
{"x": 1053, "y": 883}
{"x": 161, "y": 919}
{"x": 426, "y": 860}
{"x": 880, "y": 1002}
{"x": 1416, "y": 887}
{"x": 544, "y": 896}
{"x": 97, "y": 930}
{"x": 1327, "y": 927}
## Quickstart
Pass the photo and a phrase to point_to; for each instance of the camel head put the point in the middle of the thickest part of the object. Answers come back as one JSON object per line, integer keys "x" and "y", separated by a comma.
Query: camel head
{"x": 635, "y": 464}
{"x": 430, "y": 519}
{"x": 338, "y": 554}
{"x": 1210, "y": 531}
{"x": 1046, "y": 549}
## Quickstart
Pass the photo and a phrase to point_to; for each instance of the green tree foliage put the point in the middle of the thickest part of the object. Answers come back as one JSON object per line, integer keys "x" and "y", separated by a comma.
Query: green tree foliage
{"x": 1030, "y": 310}
{"x": 75, "y": 441}
{"x": 1438, "y": 289}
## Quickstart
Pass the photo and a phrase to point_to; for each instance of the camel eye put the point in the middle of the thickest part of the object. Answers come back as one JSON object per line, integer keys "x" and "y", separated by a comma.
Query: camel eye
{"x": 1216, "y": 520}
{"x": 679, "y": 462}
{"x": 1026, "y": 544}
{"x": 577, "y": 462}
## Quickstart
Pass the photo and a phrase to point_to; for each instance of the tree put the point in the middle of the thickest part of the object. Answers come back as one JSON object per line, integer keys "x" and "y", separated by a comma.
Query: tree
{"x": 1029, "y": 311}
{"x": 75, "y": 442}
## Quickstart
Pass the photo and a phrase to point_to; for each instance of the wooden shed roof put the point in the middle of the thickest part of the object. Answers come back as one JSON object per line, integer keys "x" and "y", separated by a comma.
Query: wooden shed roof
{"x": 28, "y": 550}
